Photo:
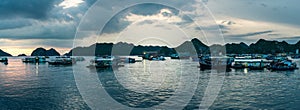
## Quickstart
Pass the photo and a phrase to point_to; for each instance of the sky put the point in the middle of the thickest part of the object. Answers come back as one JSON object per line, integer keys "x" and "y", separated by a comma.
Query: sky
{"x": 29, "y": 24}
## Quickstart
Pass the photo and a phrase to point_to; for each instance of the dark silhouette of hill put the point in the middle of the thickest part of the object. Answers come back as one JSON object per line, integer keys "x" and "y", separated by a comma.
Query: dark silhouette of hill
{"x": 44, "y": 52}
{"x": 194, "y": 46}
{"x": 20, "y": 55}
{"x": 123, "y": 48}
{"x": 262, "y": 47}
{"x": 2, "y": 53}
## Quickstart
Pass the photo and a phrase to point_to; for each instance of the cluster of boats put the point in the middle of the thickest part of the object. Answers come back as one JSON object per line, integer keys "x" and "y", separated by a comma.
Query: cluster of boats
{"x": 273, "y": 63}
{"x": 58, "y": 60}
{"x": 112, "y": 61}
{"x": 277, "y": 63}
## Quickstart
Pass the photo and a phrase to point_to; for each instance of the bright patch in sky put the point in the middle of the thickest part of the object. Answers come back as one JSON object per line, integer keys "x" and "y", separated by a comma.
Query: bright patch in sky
{"x": 70, "y": 3}
{"x": 163, "y": 15}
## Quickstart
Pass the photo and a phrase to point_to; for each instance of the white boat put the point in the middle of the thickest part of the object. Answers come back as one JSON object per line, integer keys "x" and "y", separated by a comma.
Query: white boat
{"x": 104, "y": 62}
{"x": 247, "y": 62}
{"x": 157, "y": 58}
{"x": 63, "y": 60}
{"x": 34, "y": 59}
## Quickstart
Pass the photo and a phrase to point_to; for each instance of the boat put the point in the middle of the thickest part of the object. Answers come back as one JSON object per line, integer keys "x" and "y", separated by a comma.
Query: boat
{"x": 157, "y": 58}
{"x": 104, "y": 62}
{"x": 79, "y": 58}
{"x": 126, "y": 60}
{"x": 138, "y": 59}
{"x": 3, "y": 59}
{"x": 253, "y": 64}
{"x": 63, "y": 60}
{"x": 222, "y": 62}
{"x": 297, "y": 56}
{"x": 34, "y": 60}
{"x": 282, "y": 65}
{"x": 180, "y": 56}
{"x": 174, "y": 56}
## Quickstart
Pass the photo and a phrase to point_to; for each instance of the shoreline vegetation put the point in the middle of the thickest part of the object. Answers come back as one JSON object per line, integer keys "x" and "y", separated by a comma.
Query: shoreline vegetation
{"x": 195, "y": 46}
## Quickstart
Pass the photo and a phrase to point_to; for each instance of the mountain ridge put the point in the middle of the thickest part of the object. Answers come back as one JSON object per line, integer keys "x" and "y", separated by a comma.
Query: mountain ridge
{"x": 2, "y": 53}
{"x": 193, "y": 46}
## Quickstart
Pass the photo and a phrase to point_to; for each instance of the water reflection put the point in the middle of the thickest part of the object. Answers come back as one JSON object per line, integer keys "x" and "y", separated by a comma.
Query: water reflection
{"x": 40, "y": 86}
{"x": 35, "y": 86}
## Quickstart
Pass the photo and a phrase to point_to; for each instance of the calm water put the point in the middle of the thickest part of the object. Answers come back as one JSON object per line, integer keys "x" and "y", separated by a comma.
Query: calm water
{"x": 142, "y": 85}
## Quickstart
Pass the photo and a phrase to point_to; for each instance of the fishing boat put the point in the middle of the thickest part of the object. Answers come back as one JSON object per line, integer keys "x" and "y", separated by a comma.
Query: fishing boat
{"x": 104, "y": 62}
{"x": 34, "y": 60}
{"x": 63, "y": 60}
{"x": 222, "y": 62}
{"x": 282, "y": 65}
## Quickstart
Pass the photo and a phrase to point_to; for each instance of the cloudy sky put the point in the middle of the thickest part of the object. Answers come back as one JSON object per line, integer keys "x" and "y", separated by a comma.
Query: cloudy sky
{"x": 28, "y": 24}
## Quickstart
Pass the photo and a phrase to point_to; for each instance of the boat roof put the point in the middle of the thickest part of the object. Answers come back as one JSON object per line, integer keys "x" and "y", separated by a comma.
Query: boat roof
{"x": 248, "y": 60}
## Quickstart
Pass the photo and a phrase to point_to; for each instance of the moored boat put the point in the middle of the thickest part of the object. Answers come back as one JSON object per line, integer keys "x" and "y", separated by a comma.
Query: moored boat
{"x": 219, "y": 63}
{"x": 79, "y": 58}
{"x": 63, "y": 60}
{"x": 104, "y": 62}
{"x": 254, "y": 64}
{"x": 3, "y": 59}
{"x": 174, "y": 56}
{"x": 282, "y": 65}
{"x": 297, "y": 56}
{"x": 127, "y": 60}
{"x": 157, "y": 58}
{"x": 34, "y": 60}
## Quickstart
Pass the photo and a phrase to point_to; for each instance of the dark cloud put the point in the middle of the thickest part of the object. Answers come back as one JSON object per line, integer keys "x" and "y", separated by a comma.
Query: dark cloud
{"x": 150, "y": 9}
{"x": 296, "y": 38}
{"x": 37, "y": 9}
{"x": 39, "y": 19}
{"x": 145, "y": 22}
{"x": 275, "y": 11}
{"x": 251, "y": 34}
{"x": 213, "y": 27}
{"x": 12, "y": 24}
{"x": 117, "y": 23}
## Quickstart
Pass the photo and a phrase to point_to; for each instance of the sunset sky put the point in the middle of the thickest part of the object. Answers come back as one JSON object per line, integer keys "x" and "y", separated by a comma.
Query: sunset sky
{"x": 28, "y": 24}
